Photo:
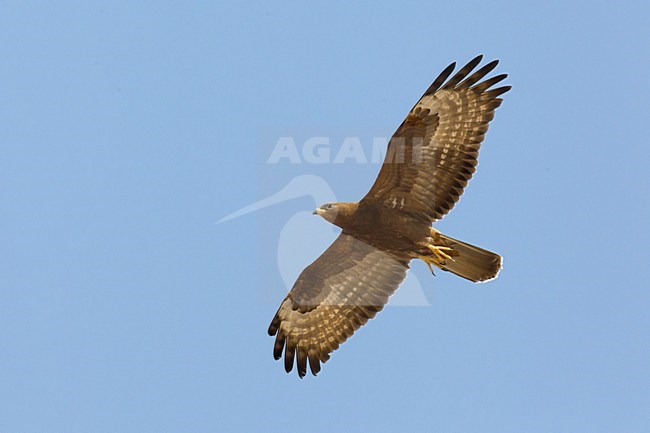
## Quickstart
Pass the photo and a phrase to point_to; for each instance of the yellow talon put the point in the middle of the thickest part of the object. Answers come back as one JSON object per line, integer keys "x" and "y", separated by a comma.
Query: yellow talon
{"x": 438, "y": 257}
{"x": 428, "y": 260}
{"x": 439, "y": 252}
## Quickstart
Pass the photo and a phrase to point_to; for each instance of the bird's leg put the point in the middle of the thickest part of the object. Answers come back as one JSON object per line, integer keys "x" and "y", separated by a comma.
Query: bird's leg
{"x": 437, "y": 246}
{"x": 439, "y": 253}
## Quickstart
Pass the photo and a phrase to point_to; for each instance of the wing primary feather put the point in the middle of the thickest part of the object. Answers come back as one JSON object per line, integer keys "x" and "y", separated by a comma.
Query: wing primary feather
{"x": 441, "y": 79}
{"x": 278, "y": 346}
{"x": 314, "y": 362}
{"x": 476, "y": 76}
{"x": 463, "y": 72}
{"x": 482, "y": 87}
{"x": 498, "y": 91}
{"x": 289, "y": 352}
{"x": 275, "y": 323}
{"x": 324, "y": 356}
{"x": 301, "y": 361}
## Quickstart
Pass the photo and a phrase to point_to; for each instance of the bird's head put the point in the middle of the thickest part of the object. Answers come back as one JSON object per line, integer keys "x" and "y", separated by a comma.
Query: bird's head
{"x": 328, "y": 211}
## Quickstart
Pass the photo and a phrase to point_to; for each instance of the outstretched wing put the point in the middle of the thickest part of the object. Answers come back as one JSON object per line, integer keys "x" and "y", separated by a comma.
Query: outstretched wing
{"x": 433, "y": 154}
{"x": 334, "y": 296}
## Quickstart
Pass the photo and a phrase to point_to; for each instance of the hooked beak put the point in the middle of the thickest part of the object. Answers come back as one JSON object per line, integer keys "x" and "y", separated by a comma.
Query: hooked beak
{"x": 315, "y": 212}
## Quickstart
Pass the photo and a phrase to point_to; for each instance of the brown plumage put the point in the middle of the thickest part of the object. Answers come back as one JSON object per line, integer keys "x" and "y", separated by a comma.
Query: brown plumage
{"x": 430, "y": 159}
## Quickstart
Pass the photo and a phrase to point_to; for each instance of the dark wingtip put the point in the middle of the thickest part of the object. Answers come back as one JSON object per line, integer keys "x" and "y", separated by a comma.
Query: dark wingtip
{"x": 484, "y": 85}
{"x": 441, "y": 79}
{"x": 463, "y": 72}
{"x": 273, "y": 327}
{"x": 499, "y": 91}
{"x": 314, "y": 362}
{"x": 301, "y": 361}
{"x": 490, "y": 66}
{"x": 278, "y": 346}
{"x": 289, "y": 353}
{"x": 478, "y": 75}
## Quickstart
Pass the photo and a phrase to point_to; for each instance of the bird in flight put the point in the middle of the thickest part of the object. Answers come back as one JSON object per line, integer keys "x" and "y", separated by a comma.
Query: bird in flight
{"x": 429, "y": 161}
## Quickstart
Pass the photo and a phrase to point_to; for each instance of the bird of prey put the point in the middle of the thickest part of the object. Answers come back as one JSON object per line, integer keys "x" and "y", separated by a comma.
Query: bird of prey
{"x": 429, "y": 161}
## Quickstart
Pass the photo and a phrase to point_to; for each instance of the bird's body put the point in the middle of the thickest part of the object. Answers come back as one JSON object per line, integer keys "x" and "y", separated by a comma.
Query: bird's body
{"x": 430, "y": 159}
{"x": 398, "y": 232}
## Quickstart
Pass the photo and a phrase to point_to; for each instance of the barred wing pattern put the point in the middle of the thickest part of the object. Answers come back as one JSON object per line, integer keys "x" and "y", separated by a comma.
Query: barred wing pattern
{"x": 334, "y": 296}
{"x": 433, "y": 154}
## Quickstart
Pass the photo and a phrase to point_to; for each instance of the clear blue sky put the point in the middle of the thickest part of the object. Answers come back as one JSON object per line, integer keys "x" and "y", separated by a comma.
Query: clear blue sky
{"x": 127, "y": 129}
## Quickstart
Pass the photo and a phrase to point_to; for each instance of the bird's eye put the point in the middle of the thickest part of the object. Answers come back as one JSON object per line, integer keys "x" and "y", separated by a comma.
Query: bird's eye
{"x": 329, "y": 206}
